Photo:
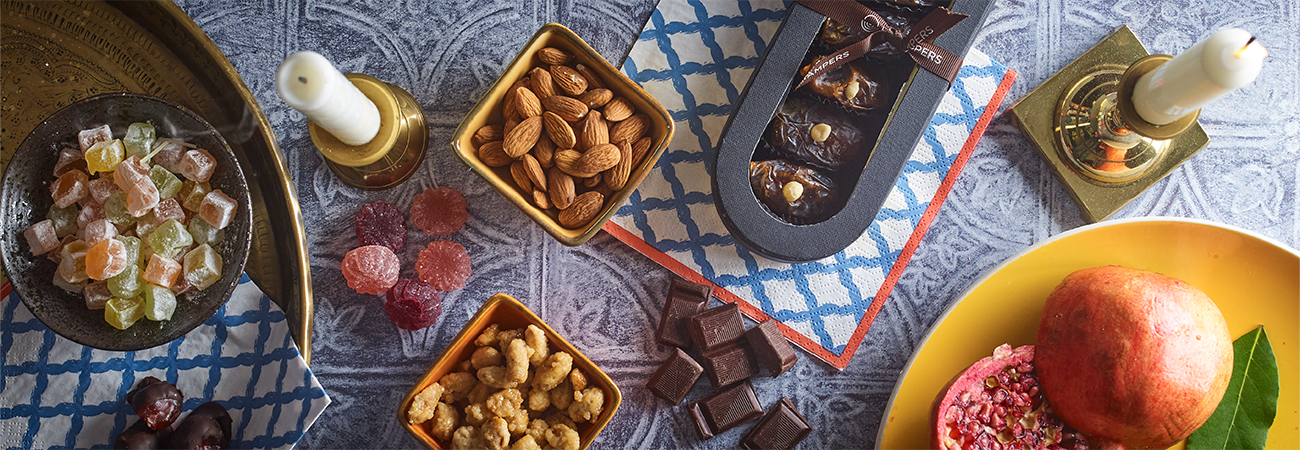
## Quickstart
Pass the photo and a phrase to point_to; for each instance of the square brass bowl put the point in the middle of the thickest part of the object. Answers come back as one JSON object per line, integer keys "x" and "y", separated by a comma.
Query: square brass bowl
{"x": 507, "y": 313}
{"x": 488, "y": 110}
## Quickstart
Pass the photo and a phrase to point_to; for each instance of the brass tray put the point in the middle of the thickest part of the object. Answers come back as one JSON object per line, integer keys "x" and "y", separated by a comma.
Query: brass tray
{"x": 55, "y": 53}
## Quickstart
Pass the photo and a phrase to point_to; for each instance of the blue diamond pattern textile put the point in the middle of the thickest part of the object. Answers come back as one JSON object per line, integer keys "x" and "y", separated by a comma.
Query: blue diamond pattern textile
{"x": 696, "y": 57}
{"x": 56, "y": 393}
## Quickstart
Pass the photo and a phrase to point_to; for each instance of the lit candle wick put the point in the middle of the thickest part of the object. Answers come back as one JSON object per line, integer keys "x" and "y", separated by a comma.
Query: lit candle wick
{"x": 1252, "y": 49}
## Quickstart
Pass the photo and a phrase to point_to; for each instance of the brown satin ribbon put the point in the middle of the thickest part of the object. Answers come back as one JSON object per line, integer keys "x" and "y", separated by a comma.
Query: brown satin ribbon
{"x": 918, "y": 43}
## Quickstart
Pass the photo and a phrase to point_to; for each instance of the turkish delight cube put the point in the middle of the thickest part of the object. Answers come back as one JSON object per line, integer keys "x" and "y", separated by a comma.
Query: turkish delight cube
{"x": 167, "y": 153}
{"x": 72, "y": 267}
{"x": 166, "y": 182}
{"x": 141, "y": 198}
{"x": 96, "y": 294}
{"x": 69, "y": 159}
{"x": 139, "y": 139}
{"x": 104, "y": 156}
{"x": 217, "y": 209}
{"x": 197, "y": 165}
{"x": 69, "y": 188}
{"x": 89, "y": 137}
{"x": 66, "y": 286}
{"x": 101, "y": 188}
{"x": 159, "y": 302}
{"x": 121, "y": 313}
{"x": 162, "y": 271}
{"x": 115, "y": 210}
{"x": 88, "y": 214}
{"x": 126, "y": 283}
{"x": 202, "y": 266}
{"x": 97, "y": 231}
{"x": 192, "y": 193}
{"x": 41, "y": 237}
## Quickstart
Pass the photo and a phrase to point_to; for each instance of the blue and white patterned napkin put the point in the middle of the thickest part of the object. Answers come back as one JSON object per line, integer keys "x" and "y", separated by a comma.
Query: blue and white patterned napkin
{"x": 695, "y": 57}
{"x": 57, "y": 393}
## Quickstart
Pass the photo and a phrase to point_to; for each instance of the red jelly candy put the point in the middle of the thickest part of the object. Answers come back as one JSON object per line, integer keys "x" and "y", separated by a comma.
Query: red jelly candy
{"x": 371, "y": 269}
{"x": 439, "y": 211}
{"x": 445, "y": 265}
{"x": 413, "y": 304}
{"x": 381, "y": 223}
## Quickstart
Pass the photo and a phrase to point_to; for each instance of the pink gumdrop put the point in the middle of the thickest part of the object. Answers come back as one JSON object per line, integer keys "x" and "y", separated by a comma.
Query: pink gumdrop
{"x": 439, "y": 211}
{"x": 445, "y": 265}
{"x": 371, "y": 269}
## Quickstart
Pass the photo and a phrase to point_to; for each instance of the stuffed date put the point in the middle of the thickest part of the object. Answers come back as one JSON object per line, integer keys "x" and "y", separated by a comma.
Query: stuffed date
{"x": 798, "y": 194}
{"x": 840, "y": 35}
{"x": 816, "y": 133}
{"x": 858, "y": 86}
{"x": 157, "y": 402}
{"x": 207, "y": 428}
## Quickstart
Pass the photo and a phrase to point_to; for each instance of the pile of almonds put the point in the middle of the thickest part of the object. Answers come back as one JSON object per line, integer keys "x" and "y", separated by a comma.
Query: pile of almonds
{"x": 565, "y": 131}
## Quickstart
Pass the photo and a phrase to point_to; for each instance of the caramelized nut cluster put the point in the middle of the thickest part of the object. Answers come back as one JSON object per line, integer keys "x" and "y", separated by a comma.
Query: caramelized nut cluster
{"x": 568, "y": 141}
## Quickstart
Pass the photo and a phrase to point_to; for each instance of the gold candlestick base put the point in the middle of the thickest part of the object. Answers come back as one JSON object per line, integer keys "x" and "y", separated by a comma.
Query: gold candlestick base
{"x": 1103, "y": 153}
{"x": 396, "y": 150}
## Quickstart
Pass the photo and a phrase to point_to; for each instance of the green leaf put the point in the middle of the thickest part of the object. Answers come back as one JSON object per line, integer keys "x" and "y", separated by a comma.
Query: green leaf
{"x": 1242, "y": 419}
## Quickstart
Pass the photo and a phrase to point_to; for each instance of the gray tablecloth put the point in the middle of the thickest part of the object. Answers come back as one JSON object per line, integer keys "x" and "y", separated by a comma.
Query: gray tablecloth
{"x": 606, "y": 297}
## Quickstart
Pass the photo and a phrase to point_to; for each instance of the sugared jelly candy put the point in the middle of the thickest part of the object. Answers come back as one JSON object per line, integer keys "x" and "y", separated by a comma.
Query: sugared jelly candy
{"x": 101, "y": 188}
{"x": 371, "y": 269}
{"x": 127, "y": 283}
{"x": 69, "y": 159}
{"x": 115, "y": 210}
{"x": 413, "y": 304}
{"x": 202, "y": 266}
{"x": 90, "y": 213}
{"x": 192, "y": 193}
{"x": 69, "y": 188}
{"x": 169, "y": 238}
{"x": 97, "y": 231}
{"x": 41, "y": 237}
{"x": 129, "y": 173}
{"x": 139, "y": 139}
{"x": 121, "y": 313}
{"x": 96, "y": 294}
{"x": 159, "y": 302}
{"x": 104, "y": 156}
{"x": 72, "y": 266}
{"x": 381, "y": 223}
{"x": 167, "y": 154}
{"x": 439, "y": 211}
{"x": 168, "y": 210}
{"x": 162, "y": 271}
{"x": 91, "y": 136}
{"x": 106, "y": 259}
{"x": 444, "y": 264}
{"x": 166, "y": 182}
{"x": 197, "y": 165}
{"x": 204, "y": 233}
{"x": 217, "y": 208}
{"x": 64, "y": 220}
{"x": 141, "y": 198}
{"x": 132, "y": 245}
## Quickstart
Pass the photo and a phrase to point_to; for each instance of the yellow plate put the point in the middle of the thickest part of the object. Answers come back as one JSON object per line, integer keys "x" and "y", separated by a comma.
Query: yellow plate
{"x": 1254, "y": 280}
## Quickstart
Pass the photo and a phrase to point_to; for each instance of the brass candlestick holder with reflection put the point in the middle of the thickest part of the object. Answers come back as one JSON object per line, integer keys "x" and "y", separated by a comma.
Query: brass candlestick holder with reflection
{"x": 396, "y": 150}
{"x": 1083, "y": 124}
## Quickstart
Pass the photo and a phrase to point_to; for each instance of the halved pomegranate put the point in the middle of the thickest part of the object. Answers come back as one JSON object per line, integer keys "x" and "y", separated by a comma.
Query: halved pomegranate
{"x": 996, "y": 404}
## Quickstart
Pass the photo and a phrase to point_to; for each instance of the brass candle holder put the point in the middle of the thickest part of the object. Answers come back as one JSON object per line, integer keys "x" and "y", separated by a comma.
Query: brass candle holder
{"x": 396, "y": 150}
{"x": 1082, "y": 123}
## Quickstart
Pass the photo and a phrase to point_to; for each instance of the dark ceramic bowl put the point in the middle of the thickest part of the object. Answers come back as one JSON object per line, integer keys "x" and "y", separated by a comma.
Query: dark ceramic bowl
{"x": 26, "y": 199}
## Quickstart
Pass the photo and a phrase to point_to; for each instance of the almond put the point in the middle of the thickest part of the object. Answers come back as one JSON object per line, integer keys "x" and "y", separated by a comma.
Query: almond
{"x": 584, "y": 208}
{"x": 520, "y": 174}
{"x": 596, "y": 98}
{"x": 568, "y": 108}
{"x": 533, "y": 170}
{"x": 629, "y": 129}
{"x": 594, "y": 131}
{"x": 526, "y": 103}
{"x": 569, "y": 80}
{"x": 593, "y": 79}
{"x": 523, "y": 137}
{"x": 541, "y": 83}
{"x": 554, "y": 56}
{"x": 488, "y": 133}
{"x": 492, "y": 154}
{"x": 509, "y": 106}
{"x": 600, "y": 158}
{"x": 591, "y": 182}
{"x": 639, "y": 150}
{"x": 558, "y": 130}
{"x": 510, "y": 125}
{"x": 559, "y": 186}
{"x": 541, "y": 199}
{"x": 544, "y": 151}
{"x": 616, "y": 177}
{"x": 569, "y": 161}
{"x": 618, "y": 109}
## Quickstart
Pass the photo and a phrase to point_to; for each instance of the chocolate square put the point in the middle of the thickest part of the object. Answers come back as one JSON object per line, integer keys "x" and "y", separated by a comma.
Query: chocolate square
{"x": 771, "y": 347}
{"x": 782, "y": 428}
{"x": 717, "y": 327}
{"x": 725, "y": 409}
{"x": 685, "y": 299}
{"x": 675, "y": 377}
{"x": 728, "y": 365}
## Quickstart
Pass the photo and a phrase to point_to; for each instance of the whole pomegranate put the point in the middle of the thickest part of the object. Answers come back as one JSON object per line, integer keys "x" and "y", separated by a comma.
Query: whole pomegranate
{"x": 1133, "y": 358}
{"x": 996, "y": 404}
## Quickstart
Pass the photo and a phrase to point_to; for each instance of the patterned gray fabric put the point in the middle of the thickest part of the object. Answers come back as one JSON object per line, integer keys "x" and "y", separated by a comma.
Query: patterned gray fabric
{"x": 605, "y": 297}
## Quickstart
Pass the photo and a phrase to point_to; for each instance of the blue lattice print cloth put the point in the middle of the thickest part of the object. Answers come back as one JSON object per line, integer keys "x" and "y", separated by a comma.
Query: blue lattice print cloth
{"x": 695, "y": 57}
{"x": 57, "y": 393}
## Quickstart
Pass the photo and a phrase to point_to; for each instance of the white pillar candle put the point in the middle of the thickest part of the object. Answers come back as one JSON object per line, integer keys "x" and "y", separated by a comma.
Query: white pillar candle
{"x": 310, "y": 84}
{"x": 1210, "y": 69}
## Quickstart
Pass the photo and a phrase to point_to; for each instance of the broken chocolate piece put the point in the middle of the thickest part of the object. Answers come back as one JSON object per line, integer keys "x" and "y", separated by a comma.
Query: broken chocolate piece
{"x": 817, "y": 192}
{"x": 157, "y": 402}
{"x": 208, "y": 427}
{"x": 685, "y": 299}
{"x": 771, "y": 347}
{"x": 782, "y": 428}
{"x": 717, "y": 327}
{"x": 725, "y": 409}
{"x": 790, "y": 134}
{"x": 675, "y": 377}
{"x": 728, "y": 365}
